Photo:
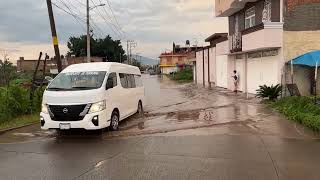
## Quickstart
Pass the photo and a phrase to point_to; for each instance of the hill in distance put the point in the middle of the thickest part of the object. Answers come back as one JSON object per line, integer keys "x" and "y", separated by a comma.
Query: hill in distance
{"x": 145, "y": 60}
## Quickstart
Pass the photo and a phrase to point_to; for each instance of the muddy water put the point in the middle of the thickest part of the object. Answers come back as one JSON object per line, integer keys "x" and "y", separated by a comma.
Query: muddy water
{"x": 172, "y": 107}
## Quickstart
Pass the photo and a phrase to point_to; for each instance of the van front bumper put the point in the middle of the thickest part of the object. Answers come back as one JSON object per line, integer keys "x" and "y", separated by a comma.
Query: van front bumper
{"x": 87, "y": 122}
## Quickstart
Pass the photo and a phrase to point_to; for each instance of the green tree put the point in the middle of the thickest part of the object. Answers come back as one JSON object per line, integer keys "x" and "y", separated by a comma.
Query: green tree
{"x": 7, "y": 72}
{"x": 105, "y": 47}
{"x": 136, "y": 63}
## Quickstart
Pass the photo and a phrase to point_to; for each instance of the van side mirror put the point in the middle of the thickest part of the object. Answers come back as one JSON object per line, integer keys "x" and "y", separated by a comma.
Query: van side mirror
{"x": 109, "y": 84}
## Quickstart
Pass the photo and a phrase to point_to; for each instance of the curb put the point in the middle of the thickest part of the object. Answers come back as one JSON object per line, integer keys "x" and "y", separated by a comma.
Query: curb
{"x": 14, "y": 128}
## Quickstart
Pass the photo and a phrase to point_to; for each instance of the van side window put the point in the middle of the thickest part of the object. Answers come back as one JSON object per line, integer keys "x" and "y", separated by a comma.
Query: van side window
{"x": 138, "y": 80}
{"x": 127, "y": 80}
{"x": 131, "y": 81}
{"x": 112, "y": 80}
{"x": 123, "y": 80}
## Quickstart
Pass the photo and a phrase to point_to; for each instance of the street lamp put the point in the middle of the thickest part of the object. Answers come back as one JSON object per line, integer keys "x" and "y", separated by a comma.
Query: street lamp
{"x": 88, "y": 30}
{"x": 96, "y": 6}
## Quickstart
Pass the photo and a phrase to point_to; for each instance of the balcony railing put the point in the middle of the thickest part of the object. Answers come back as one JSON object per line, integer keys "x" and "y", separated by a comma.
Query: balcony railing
{"x": 235, "y": 42}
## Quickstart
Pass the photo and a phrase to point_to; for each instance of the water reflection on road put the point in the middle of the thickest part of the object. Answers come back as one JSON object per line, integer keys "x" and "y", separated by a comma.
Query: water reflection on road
{"x": 171, "y": 107}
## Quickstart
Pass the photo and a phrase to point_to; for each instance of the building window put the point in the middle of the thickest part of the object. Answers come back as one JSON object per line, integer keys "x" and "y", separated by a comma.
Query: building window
{"x": 250, "y": 18}
{"x": 254, "y": 55}
{"x": 270, "y": 53}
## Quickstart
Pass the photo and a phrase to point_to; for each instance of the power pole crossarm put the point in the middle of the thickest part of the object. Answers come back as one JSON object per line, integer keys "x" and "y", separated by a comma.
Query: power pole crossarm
{"x": 54, "y": 36}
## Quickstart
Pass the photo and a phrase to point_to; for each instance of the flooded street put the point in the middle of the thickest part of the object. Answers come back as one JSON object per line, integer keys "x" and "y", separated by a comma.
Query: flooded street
{"x": 187, "y": 132}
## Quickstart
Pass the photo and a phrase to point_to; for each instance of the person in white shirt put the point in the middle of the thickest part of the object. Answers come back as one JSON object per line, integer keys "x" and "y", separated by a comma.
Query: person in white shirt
{"x": 236, "y": 79}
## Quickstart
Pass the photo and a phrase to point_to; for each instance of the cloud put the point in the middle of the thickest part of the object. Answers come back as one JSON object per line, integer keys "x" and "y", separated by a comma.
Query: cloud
{"x": 154, "y": 24}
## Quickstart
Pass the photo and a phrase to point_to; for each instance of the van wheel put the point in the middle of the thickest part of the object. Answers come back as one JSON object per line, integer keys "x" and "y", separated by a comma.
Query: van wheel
{"x": 140, "y": 109}
{"x": 114, "y": 125}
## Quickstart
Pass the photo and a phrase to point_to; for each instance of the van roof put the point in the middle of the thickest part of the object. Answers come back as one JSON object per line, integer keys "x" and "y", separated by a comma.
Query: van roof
{"x": 102, "y": 66}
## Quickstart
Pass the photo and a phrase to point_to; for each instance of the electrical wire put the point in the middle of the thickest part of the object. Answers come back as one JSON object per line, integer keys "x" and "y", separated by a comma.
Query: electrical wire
{"x": 111, "y": 26}
{"x": 79, "y": 19}
{"x": 115, "y": 18}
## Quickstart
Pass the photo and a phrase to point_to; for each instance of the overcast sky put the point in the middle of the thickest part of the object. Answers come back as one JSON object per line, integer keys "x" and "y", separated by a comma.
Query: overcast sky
{"x": 153, "y": 24}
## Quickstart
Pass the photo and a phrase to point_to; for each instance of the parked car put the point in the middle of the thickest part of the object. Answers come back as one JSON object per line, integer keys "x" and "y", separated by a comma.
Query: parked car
{"x": 92, "y": 96}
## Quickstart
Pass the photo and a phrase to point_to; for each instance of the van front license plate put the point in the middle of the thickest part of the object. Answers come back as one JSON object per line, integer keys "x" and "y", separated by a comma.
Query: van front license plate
{"x": 65, "y": 126}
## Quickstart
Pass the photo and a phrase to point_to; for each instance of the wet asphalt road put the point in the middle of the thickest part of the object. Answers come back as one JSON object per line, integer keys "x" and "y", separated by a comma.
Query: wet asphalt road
{"x": 187, "y": 133}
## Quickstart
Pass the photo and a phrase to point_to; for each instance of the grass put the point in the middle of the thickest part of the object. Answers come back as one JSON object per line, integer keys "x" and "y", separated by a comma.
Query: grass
{"x": 299, "y": 109}
{"x": 183, "y": 76}
{"x": 19, "y": 121}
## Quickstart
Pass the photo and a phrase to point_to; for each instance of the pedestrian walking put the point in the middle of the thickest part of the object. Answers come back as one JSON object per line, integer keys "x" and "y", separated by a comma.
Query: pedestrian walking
{"x": 236, "y": 79}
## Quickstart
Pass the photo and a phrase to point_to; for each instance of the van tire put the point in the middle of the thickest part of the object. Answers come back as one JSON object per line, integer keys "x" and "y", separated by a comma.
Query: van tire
{"x": 114, "y": 124}
{"x": 140, "y": 109}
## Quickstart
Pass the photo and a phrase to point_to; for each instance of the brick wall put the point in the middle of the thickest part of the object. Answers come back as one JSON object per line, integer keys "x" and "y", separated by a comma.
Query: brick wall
{"x": 302, "y": 15}
{"x": 291, "y": 4}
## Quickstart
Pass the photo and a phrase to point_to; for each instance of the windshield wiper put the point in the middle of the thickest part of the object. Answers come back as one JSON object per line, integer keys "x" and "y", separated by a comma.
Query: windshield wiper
{"x": 82, "y": 87}
{"x": 57, "y": 89}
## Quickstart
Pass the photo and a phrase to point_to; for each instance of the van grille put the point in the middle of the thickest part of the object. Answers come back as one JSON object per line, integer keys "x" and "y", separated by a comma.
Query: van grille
{"x": 68, "y": 112}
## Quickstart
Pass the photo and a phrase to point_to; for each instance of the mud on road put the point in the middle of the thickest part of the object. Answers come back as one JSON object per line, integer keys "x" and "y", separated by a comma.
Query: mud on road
{"x": 173, "y": 107}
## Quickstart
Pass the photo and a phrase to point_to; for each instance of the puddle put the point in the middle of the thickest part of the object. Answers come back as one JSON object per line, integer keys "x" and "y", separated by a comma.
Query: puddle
{"x": 24, "y": 134}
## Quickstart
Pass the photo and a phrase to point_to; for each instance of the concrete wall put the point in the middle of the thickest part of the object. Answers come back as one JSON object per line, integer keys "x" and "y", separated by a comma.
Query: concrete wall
{"x": 297, "y": 43}
{"x": 271, "y": 36}
{"x": 231, "y": 67}
{"x": 199, "y": 66}
{"x": 212, "y": 57}
{"x": 222, "y": 5}
{"x": 222, "y": 48}
{"x": 206, "y": 68}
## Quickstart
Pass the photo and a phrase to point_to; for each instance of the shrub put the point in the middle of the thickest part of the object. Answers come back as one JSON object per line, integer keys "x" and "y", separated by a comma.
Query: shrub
{"x": 301, "y": 110}
{"x": 15, "y": 101}
{"x": 270, "y": 92}
{"x": 184, "y": 75}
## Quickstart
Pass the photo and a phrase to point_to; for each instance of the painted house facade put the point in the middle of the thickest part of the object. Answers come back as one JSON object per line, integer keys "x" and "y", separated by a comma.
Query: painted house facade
{"x": 169, "y": 62}
{"x": 178, "y": 59}
{"x": 263, "y": 36}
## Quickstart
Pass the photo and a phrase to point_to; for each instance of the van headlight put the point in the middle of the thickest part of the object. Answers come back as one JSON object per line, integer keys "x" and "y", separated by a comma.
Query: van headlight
{"x": 97, "y": 107}
{"x": 44, "y": 109}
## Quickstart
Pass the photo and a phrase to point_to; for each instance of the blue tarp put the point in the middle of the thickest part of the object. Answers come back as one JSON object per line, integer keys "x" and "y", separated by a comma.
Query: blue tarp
{"x": 309, "y": 59}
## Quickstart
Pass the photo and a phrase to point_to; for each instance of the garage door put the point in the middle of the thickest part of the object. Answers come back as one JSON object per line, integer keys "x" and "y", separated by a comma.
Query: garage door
{"x": 240, "y": 67}
{"x": 222, "y": 70}
{"x": 262, "y": 71}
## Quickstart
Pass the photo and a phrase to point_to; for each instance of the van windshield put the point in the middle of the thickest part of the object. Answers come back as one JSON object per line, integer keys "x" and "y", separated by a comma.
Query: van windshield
{"x": 73, "y": 81}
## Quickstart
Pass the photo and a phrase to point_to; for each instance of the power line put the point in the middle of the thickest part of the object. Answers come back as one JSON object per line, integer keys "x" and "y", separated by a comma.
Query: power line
{"x": 115, "y": 18}
{"x": 83, "y": 4}
{"x": 109, "y": 23}
{"x": 77, "y": 18}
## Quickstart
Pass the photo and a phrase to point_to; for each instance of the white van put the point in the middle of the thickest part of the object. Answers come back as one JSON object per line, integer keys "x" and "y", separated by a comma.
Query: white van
{"x": 92, "y": 96}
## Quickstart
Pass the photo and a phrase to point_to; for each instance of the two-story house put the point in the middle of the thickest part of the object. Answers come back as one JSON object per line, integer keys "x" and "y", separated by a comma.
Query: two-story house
{"x": 178, "y": 59}
{"x": 265, "y": 34}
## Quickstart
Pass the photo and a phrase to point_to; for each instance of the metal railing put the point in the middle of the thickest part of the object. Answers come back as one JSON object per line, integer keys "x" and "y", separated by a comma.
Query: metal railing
{"x": 235, "y": 42}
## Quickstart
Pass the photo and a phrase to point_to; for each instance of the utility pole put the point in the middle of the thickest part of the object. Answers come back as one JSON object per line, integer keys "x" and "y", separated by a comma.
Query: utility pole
{"x": 88, "y": 34}
{"x": 54, "y": 36}
{"x": 130, "y": 44}
{"x": 128, "y": 56}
